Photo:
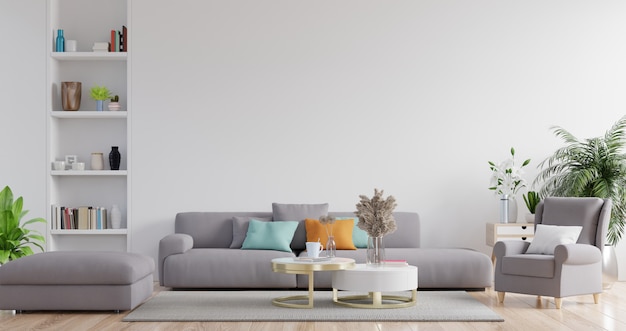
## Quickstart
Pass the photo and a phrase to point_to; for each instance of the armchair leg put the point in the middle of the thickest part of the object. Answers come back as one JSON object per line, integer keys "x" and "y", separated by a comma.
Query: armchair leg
{"x": 501, "y": 296}
{"x": 596, "y": 298}
{"x": 557, "y": 302}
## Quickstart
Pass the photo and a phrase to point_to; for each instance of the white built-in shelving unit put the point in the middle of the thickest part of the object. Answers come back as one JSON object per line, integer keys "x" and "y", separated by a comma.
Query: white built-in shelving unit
{"x": 88, "y": 131}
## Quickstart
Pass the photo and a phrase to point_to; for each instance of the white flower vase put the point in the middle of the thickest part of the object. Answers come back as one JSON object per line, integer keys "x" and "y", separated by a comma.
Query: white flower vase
{"x": 116, "y": 217}
{"x": 512, "y": 209}
{"x": 508, "y": 208}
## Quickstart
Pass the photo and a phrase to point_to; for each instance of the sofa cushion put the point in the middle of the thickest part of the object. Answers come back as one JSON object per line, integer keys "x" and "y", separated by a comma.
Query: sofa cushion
{"x": 547, "y": 237}
{"x": 359, "y": 236}
{"x": 529, "y": 265}
{"x": 298, "y": 212}
{"x": 240, "y": 228}
{"x": 269, "y": 235}
{"x": 341, "y": 230}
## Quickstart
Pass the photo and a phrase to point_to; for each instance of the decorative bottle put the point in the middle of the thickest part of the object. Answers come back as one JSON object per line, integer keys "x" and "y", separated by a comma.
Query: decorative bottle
{"x": 97, "y": 161}
{"x": 116, "y": 217}
{"x": 331, "y": 247}
{"x": 60, "y": 45}
{"x": 115, "y": 158}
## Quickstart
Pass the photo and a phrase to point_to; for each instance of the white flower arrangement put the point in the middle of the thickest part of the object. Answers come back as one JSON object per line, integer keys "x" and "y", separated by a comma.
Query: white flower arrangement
{"x": 376, "y": 214}
{"x": 506, "y": 178}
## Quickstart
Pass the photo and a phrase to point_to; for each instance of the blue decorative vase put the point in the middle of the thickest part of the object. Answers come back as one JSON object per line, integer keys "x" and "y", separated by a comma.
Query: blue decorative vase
{"x": 60, "y": 42}
{"x": 99, "y": 105}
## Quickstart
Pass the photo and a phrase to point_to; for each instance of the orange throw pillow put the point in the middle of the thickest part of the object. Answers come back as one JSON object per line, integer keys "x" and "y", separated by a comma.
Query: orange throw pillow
{"x": 342, "y": 231}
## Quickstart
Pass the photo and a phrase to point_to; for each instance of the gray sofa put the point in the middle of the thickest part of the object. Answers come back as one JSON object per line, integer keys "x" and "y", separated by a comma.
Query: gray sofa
{"x": 198, "y": 255}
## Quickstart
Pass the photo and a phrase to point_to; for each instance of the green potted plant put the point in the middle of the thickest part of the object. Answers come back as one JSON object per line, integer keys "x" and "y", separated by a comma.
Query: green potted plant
{"x": 531, "y": 199}
{"x": 15, "y": 239}
{"x": 594, "y": 167}
{"x": 100, "y": 93}
{"x": 114, "y": 105}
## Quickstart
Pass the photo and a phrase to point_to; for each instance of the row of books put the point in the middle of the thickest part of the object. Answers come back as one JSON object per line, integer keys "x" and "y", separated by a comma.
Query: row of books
{"x": 79, "y": 218}
{"x": 119, "y": 40}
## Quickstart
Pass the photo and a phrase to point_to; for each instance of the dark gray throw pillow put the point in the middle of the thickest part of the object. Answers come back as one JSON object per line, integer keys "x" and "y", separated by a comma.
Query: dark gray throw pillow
{"x": 298, "y": 212}
{"x": 240, "y": 228}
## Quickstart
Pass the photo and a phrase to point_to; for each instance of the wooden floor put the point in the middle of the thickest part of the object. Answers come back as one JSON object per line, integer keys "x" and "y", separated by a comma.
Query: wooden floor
{"x": 520, "y": 312}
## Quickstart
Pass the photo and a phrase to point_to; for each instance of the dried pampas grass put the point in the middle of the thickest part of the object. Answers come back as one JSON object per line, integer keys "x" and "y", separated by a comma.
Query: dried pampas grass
{"x": 376, "y": 214}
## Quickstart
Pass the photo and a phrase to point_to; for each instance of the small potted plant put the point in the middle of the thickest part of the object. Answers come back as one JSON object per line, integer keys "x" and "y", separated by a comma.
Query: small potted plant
{"x": 100, "y": 93}
{"x": 15, "y": 239}
{"x": 114, "y": 105}
{"x": 531, "y": 199}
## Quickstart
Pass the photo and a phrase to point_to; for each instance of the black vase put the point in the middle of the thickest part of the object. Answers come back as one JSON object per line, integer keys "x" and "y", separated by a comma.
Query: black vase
{"x": 115, "y": 158}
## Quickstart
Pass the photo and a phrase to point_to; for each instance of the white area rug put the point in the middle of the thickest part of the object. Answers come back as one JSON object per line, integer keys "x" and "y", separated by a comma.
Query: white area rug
{"x": 257, "y": 306}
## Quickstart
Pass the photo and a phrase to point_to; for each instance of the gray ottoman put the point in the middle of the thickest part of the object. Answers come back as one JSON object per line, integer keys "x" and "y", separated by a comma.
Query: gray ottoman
{"x": 76, "y": 281}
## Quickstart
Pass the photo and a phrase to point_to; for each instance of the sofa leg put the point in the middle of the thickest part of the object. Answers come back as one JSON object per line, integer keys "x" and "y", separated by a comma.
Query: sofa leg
{"x": 596, "y": 298}
{"x": 557, "y": 302}
{"x": 501, "y": 297}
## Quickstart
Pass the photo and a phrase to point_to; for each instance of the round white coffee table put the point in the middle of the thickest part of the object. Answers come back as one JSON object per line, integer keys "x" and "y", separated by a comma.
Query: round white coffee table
{"x": 375, "y": 280}
{"x": 290, "y": 265}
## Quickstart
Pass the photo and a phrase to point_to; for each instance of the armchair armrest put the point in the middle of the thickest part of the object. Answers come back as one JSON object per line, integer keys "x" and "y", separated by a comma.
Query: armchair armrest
{"x": 577, "y": 254}
{"x": 509, "y": 247}
{"x": 176, "y": 243}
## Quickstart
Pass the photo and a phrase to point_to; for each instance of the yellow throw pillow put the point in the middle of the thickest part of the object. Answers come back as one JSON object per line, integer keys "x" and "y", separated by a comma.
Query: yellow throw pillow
{"x": 342, "y": 231}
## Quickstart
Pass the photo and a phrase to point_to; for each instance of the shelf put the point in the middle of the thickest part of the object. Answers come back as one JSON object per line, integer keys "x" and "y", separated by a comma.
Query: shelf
{"x": 89, "y": 56}
{"x": 86, "y": 131}
{"x": 88, "y": 114}
{"x": 107, "y": 232}
{"x": 89, "y": 172}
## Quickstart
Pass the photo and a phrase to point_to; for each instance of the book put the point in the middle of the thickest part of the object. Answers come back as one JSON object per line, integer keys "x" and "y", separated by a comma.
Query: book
{"x": 99, "y": 218}
{"x": 117, "y": 41}
{"x": 113, "y": 37}
{"x": 83, "y": 218}
{"x": 124, "y": 40}
{"x": 92, "y": 217}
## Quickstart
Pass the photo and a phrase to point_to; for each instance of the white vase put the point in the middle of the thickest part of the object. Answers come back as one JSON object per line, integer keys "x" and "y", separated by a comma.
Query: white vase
{"x": 530, "y": 218}
{"x": 116, "y": 217}
{"x": 512, "y": 209}
{"x": 97, "y": 161}
{"x": 508, "y": 208}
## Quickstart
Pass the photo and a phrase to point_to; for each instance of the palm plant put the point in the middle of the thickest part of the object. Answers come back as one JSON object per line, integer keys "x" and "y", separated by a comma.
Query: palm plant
{"x": 594, "y": 167}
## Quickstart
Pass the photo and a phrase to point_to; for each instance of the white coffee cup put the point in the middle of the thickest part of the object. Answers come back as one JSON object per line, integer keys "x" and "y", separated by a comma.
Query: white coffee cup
{"x": 71, "y": 45}
{"x": 313, "y": 249}
{"x": 78, "y": 166}
{"x": 58, "y": 165}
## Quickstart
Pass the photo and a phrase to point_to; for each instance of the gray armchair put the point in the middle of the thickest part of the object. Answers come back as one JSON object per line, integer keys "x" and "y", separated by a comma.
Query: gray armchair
{"x": 572, "y": 269}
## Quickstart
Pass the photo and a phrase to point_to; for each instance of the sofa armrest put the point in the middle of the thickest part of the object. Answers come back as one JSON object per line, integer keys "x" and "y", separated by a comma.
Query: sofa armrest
{"x": 176, "y": 243}
{"x": 577, "y": 254}
{"x": 509, "y": 247}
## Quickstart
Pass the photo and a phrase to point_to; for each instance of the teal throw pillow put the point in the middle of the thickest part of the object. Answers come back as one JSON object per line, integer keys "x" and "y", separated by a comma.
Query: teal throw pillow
{"x": 269, "y": 235}
{"x": 359, "y": 236}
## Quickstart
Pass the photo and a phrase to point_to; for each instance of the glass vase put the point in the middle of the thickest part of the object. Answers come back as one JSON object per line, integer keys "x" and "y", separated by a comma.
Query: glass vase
{"x": 375, "y": 251}
{"x": 331, "y": 247}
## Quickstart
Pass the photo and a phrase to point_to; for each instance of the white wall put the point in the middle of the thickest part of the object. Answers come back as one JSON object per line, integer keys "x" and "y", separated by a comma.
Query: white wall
{"x": 22, "y": 105}
{"x": 238, "y": 104}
